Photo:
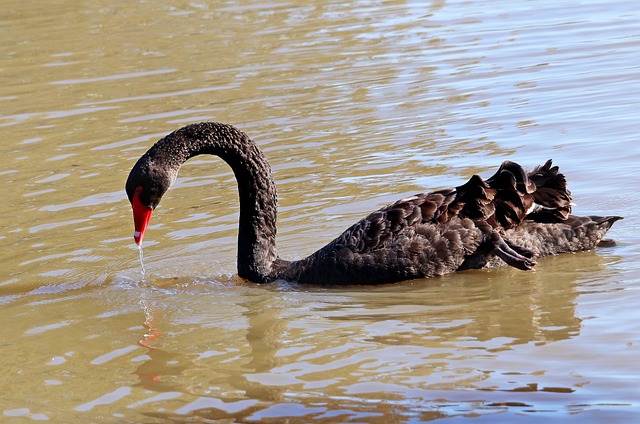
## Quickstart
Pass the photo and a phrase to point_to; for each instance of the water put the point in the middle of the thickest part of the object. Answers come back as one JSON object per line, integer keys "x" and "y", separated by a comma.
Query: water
{"x": 142, "y": 270}
{"x": 355, "y": 104}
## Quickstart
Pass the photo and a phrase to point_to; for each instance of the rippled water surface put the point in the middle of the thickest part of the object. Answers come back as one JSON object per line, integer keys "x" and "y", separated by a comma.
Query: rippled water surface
{"x": 356, "y": 104}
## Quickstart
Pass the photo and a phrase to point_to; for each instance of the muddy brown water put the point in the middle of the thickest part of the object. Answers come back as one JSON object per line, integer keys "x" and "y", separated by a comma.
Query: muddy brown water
{"x": 356, "y": 104}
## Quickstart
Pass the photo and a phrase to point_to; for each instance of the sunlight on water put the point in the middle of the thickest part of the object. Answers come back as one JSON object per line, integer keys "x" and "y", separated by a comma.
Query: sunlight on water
{"x": 355, "y": 104}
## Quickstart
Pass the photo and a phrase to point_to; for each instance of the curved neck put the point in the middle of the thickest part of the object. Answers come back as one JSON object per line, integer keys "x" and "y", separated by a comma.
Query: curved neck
{"x": 257, "y": 191}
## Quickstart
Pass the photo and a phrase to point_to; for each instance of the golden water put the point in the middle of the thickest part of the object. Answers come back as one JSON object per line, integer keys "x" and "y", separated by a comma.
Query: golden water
{"x": 355, "y": 104}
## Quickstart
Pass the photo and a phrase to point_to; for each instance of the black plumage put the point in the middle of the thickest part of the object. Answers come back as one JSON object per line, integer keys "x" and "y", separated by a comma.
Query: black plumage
{"x": 511, "y": 217}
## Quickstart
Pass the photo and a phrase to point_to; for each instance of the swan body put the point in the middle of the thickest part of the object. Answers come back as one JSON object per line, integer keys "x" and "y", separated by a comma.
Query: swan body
{"x": 511, "y": 217}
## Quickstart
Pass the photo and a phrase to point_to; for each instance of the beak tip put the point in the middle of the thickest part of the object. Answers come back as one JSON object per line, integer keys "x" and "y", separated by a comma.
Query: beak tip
{"x": 137, "y": 236}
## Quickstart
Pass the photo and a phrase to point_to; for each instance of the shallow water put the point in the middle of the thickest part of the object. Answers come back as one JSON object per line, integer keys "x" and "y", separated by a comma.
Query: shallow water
{"x": 355, "y": 104}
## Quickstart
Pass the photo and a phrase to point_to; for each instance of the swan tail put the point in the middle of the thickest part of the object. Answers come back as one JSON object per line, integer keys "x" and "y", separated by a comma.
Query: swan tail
{"x": 589, "y": 231}
{"x": 575, "y": 234}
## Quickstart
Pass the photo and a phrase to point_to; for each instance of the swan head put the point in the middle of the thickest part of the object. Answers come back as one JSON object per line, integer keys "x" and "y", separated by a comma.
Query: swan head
{"x": 145, "y": 187}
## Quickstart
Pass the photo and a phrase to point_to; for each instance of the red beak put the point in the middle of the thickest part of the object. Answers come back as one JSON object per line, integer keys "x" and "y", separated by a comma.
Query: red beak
{"x": 141, "y": 217}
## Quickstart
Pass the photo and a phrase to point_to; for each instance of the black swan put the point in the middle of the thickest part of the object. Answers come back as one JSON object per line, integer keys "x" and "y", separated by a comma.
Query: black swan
{"x": 511, "y": 218}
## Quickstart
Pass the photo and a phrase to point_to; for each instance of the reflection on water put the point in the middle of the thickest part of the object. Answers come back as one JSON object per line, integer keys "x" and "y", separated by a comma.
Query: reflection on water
{"x": 355, "y": 104}
{"x": 405, "y": 348}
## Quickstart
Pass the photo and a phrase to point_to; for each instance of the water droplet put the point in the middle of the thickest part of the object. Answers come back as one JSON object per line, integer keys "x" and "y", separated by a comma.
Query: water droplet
{"x": 141, "y": 262}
